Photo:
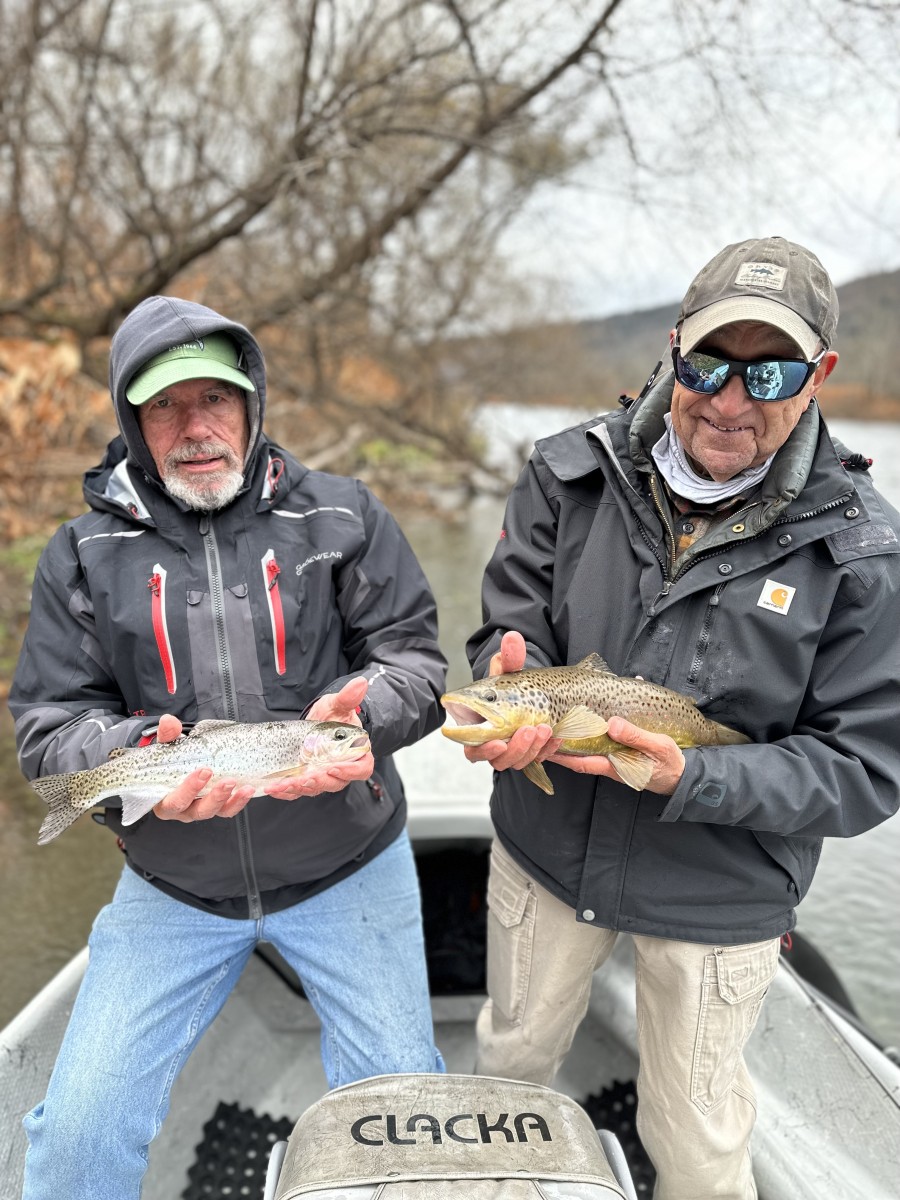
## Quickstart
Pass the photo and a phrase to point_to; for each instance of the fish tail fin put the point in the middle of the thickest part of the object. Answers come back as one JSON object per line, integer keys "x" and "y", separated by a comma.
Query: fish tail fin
{"x": 58, "y": 794}
{"x": 536, "y": 773}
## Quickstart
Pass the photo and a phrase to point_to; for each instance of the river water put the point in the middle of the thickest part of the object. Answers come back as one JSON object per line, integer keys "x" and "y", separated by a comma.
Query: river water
{"x": 49, "y": 895}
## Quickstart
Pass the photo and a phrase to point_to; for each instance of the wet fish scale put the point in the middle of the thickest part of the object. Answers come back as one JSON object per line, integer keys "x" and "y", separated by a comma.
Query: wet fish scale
{"x": 578, "y": 701}
{"x": 248, "y": 753}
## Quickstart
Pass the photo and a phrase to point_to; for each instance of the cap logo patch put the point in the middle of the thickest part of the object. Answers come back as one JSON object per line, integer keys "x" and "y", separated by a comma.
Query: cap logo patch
{"x": 761, "y": 274}
{"x": 776, "y": 597}
{"x": 198, "y": 345}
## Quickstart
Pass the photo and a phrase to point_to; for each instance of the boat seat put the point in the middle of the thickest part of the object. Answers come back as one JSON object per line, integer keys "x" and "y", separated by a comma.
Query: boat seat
{"x": 444, "y": 1137}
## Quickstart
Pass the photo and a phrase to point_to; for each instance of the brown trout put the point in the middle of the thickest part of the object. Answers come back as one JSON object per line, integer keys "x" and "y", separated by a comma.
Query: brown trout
{"x": 248, "y": 753}
{"x": 577, "y": 703}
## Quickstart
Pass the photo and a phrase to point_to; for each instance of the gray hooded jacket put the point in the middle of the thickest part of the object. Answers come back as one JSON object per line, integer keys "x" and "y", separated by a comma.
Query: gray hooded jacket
{"x": 143, "y": 607}
{"x": 585, "y": 564}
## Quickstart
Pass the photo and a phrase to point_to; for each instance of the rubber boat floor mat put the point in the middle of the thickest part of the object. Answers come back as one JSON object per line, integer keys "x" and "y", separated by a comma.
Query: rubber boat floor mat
{"x": 233, "y": 1154}
{"x": 232, "y": 1157}
{"x": 615, "y": 1109}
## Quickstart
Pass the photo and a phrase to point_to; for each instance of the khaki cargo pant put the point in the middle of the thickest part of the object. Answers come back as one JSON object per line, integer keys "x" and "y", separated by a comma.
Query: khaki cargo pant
{"x": 696, "y": 1007}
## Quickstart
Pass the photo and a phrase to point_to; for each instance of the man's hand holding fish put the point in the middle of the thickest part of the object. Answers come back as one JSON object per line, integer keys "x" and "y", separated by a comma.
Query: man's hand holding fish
{"x": 535, "y": 743}
{"x": 331, "y": 777}
{"x": 184, "y": 802}
{"x": 226, "y": 797}
{"x": 665, "y": 753}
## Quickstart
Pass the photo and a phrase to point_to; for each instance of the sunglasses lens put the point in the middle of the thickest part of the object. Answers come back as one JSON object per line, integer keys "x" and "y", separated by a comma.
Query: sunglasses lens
{"x": 701, "y": 372}
{"x": 778, "y": 379}
{"x": 768, "y": 379}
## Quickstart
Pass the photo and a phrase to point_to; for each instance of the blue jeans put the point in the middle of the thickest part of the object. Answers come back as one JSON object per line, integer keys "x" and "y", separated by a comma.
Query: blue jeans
{"x": 160, "y": 971}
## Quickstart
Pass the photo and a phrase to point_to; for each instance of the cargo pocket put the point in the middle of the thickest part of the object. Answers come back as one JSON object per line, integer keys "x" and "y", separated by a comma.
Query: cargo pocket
{"x": 510, "y": 919}
{"x": 735, "y": 982}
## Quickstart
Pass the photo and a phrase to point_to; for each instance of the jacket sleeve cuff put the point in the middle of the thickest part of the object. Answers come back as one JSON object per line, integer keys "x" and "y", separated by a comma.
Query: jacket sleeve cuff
{"x": 696, "y": 794}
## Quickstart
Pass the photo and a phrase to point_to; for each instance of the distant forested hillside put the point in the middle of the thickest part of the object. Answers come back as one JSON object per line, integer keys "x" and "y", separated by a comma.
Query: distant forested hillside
{"x": 592, "y": 362}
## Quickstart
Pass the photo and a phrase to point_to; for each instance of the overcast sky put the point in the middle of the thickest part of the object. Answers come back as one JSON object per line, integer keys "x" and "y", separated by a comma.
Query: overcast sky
{"x": 815, "y": 157}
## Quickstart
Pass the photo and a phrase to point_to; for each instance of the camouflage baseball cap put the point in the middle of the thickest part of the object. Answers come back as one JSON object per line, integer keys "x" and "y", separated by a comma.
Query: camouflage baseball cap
{"x": 764, "y": 279}
{"x": 215, "y": 356}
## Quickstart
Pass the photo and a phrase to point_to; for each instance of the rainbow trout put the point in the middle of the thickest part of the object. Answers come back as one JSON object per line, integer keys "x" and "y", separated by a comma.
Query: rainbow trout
{"x": 248, "y": 753}
{"x": 577, "y": 703}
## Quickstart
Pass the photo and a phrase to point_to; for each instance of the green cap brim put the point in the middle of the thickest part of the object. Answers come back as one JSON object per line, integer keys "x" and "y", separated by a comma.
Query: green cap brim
{"x": 148, "y": 383}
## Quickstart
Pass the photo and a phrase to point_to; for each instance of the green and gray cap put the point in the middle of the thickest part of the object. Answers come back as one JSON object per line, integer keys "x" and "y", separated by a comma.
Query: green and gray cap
{"x": 215, "y": 356}
{"x": 764, "y": 279}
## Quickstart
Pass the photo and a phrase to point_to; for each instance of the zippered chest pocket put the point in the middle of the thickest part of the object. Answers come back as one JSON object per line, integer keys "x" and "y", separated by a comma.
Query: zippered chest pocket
{"x": 299, "y": 621}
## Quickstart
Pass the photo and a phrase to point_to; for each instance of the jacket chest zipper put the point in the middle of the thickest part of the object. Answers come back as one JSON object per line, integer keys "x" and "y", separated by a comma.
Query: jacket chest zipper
{"x": 229, "y": 699}
{"x": 271, "y": 571}
{"x": 705, "y": 634}
{"x": 157, "y": 585}
{"x": 217, "y": 608}
{"x": 670, "y": 544}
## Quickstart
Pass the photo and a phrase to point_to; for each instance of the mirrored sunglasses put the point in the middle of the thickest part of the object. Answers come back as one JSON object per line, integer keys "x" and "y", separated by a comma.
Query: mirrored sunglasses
{"x": 764, "y": 378}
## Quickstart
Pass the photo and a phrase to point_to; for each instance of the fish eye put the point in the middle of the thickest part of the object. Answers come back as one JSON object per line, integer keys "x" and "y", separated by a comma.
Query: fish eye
{"x": 340, "y": 734}
{"x": 490, "y": 696}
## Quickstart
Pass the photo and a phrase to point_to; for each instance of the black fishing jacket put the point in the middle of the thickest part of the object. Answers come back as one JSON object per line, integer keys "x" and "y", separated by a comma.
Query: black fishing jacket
{"x": 143, "y": 607}
{"x": 585, "y": 564}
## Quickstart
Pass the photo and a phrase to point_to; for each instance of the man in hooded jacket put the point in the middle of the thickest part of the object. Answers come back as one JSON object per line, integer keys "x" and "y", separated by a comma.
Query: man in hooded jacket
{"x": 215, "y": 577}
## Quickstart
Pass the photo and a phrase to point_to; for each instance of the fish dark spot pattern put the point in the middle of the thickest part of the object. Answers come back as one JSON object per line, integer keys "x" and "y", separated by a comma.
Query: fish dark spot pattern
{"x": 577, "y": 702}
{"x": 248, "y": 753}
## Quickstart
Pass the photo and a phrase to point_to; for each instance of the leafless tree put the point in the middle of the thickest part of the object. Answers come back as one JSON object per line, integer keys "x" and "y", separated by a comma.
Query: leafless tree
{"x": 140, "y": 138}
{"x": 337, "y": 173}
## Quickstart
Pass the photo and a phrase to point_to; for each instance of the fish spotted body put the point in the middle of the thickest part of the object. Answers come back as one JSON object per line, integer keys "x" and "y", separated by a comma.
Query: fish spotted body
{"x": 257, "y": 754}
{"x": 577, "y": 702}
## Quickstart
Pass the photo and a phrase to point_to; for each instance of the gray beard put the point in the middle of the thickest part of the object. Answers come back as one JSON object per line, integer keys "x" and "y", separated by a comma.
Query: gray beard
{"x": 209, "y": 493}
{"x": 207, "y": 496}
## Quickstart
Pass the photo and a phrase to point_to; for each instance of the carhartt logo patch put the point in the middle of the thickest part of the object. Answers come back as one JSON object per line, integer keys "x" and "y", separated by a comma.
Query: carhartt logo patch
{"x": 775, "y": 596}
{"x": 761, "y": 274}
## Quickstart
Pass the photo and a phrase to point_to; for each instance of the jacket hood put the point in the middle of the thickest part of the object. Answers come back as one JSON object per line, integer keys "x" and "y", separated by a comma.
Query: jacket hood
{"x": 156, "y": 324}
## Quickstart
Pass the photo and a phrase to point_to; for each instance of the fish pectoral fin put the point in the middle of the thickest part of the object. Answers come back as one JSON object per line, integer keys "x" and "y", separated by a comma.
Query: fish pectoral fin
{"x": 634, "y": 767}
{"x": 209, "y": 726}
{"x": 580, "y": 722}
{"x": 137, "y": 802}
{"x": 287, "y": 773}
{"x": 536, "y": 773}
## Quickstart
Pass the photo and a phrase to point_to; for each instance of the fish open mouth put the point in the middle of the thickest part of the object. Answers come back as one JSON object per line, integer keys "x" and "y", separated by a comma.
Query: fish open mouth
{"x": 462, "y": 714}
{"x": 359, "y": 742}
{"x": 472, "y": 727}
